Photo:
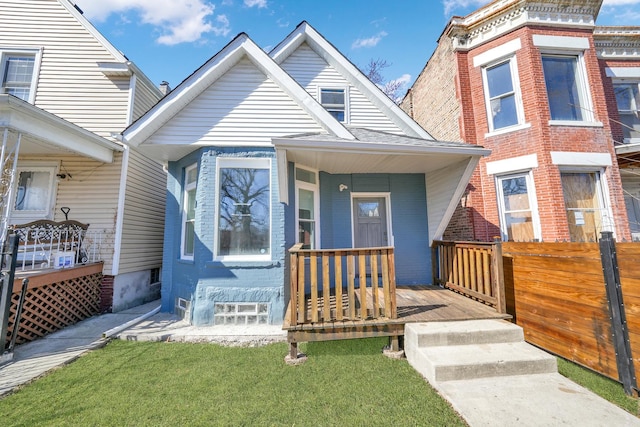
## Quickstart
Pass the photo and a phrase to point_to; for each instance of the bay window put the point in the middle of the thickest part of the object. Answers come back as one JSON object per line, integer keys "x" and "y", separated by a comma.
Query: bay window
{"x": 189, "y": 212}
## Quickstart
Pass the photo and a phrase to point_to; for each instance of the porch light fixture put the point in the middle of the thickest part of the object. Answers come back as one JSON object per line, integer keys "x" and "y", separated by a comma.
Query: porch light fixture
{"x": 342, "y": 187}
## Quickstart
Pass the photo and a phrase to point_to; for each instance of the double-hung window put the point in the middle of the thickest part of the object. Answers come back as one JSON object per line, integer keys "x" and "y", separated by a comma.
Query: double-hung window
{"x": 628, "y": 100}
{"x": 335, "y": 102}
{"x": 35, "y": 191}
{"x": 244, "y": 209}
{"x": 502, "y": 95}
{"x": 566, "y": 87}
{"x": 518, "y": 212}
{"x": 307, "y": 208}
{"x": 17, "y": 73}
{"x": 565, "y": 77}
{"x": 189, "y": 212}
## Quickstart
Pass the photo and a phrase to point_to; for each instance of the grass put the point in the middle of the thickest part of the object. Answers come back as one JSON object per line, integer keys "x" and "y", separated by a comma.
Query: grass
{"x": 155, "y": 384}
{"x": 600, "y": 385}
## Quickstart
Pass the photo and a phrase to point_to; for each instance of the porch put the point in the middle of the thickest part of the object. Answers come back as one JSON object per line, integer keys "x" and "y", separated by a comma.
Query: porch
{"x": 327, "y": 301}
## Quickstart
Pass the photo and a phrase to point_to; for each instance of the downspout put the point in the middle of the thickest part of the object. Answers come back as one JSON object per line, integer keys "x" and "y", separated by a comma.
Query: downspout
{"x": 117, "y": 243}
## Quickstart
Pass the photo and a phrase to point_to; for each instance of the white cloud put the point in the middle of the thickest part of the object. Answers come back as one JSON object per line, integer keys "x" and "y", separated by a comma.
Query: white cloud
{"x": 179, "y": 22}
{"x": 369, "y": 42}
{"x": 257, "y": 3}
{"x": 223, "y": 28}
{"x": 452, "y": 5}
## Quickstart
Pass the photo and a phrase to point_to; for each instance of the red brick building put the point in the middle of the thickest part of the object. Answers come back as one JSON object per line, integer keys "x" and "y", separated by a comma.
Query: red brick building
{"x": 554, "y": 98}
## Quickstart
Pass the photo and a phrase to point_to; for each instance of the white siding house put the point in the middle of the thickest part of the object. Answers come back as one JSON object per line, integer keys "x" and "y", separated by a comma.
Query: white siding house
{"x": 80, "y": 92}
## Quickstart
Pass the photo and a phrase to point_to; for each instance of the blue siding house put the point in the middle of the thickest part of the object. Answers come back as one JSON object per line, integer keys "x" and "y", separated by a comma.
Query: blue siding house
{"x": 265, "y": 151}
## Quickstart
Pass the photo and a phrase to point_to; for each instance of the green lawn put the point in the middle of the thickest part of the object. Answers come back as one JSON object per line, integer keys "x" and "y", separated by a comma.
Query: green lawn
{"x": 600, "y": 385}
{"x": 344, "y": 383}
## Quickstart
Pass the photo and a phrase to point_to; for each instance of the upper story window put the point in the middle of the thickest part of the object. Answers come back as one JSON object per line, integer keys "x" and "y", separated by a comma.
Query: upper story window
{"x": 244, "y": 209}
{"x": 335, "y": 102}
{"x": 628, "y": 100}
{"x": 18, "y": 73}
{"x": 502, "y": 95}
{"x": 566, "y": 87}
{"x": 189, "y": 212}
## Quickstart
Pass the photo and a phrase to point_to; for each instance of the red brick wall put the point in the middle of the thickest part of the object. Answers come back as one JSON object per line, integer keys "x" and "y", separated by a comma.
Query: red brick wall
{"x": 480, "y": 205}
{"x": 106, "y": 294}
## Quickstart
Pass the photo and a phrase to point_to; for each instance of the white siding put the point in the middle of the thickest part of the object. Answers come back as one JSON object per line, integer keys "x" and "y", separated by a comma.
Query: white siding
{"x": 144, "y": 99}
{"x": 311, "y": 71}
{"x": 70, "y": 84}
{"x": 143, "y": 225}
{"x": 90, "y": 190}
{"x": 243, "y": 107}
{"x": 441, "y": 187}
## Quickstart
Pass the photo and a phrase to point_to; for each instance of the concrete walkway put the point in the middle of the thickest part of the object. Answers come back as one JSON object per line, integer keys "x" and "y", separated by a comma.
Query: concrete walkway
{"x": 526, "y": 400}
{"x": 36, "y": 358}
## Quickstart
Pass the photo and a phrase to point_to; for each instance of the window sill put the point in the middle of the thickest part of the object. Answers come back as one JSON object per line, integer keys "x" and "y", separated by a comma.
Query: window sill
{"x": 575, "y": 123}
{"x": 248, "y": 264}
{"x": 509, "y": 129}
{"x": 186, "y": 261}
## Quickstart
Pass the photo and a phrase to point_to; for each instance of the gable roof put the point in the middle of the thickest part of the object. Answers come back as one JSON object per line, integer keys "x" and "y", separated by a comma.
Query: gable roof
{"x": 131, "y": 68}
{"x": 304, "y": 32}
{"x": 240, "y": 47}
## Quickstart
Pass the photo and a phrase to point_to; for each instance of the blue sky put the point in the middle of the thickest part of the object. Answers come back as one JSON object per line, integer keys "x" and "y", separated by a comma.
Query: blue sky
{"x": 169, "y": 39}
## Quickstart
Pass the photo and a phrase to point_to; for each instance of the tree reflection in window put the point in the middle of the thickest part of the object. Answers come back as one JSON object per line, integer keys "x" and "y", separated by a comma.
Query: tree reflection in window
{"x": 244, "y": 212}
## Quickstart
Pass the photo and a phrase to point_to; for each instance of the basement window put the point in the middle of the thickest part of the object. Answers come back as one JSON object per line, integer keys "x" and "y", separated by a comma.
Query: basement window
{"x": 241, "y": 313}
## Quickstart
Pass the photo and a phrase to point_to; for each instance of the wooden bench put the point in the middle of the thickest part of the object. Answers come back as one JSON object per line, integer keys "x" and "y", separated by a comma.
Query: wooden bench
{"x": 40, "y": 241}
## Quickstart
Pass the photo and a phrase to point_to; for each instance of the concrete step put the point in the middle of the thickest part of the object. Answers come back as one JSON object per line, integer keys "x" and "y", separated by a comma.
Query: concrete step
{"x": 449, "y": 351}
{"x": 463, "y": 332}
{"x": 464, "y": 362}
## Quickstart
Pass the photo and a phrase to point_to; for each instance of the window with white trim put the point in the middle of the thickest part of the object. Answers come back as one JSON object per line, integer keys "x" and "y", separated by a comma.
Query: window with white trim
{"x": 567, "y": 93}
{"x": 519, "y": 219}
{"x": 34, "y": 194}
{"x": 628, "y": 101}
{"x": 307, "y": 208}
{"x": 334, "y": 100}
{"x": 244, "y": 209}
{"x": 18, "y": 73}
{"x": 189, "y": 212}
{"x": 587, "y": 210}
{"x": 502, "y": 94}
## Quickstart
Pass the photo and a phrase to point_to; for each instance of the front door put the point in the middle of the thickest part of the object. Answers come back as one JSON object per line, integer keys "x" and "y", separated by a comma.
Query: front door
{"x": 369, "y": 222}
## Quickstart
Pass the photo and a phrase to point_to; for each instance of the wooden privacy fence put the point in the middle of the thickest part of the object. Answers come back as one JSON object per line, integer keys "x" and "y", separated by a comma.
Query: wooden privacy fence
{"x": 471, "y": 268}
{"x": 558, "y": 293}
{"x": 336, "y": 285}
{"x": 55, "y": 300}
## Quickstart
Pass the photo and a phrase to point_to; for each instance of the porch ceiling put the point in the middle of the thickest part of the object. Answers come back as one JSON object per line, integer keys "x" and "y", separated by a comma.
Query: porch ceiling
{"x": 375, "y": 152}
{"x": 43, "y": 133}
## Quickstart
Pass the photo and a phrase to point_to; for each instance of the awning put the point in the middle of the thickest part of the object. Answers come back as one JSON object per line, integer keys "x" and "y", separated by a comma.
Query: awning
{"x": 44, "y": 133}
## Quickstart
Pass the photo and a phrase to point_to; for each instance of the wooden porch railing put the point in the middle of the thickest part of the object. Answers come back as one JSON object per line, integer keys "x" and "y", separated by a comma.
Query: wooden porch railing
{"x": 334, "y": 285}
{"x": 471, "y": 268}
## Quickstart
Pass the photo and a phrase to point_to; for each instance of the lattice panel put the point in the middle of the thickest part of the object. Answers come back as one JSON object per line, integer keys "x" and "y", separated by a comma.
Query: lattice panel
{"x": 54, "y": 306}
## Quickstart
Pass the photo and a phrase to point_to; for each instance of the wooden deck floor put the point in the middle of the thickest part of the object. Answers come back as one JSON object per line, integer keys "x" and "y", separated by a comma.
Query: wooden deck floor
{"x": 415, "y": 304}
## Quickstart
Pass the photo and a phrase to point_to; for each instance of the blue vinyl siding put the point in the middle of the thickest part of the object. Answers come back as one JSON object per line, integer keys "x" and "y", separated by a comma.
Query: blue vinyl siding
{"x": 203, "y": 281}
{"x": 408, "y": 215}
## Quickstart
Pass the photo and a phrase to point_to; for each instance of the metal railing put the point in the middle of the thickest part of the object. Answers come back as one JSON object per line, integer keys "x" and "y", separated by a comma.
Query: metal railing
{"x": 57, "y": 245}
